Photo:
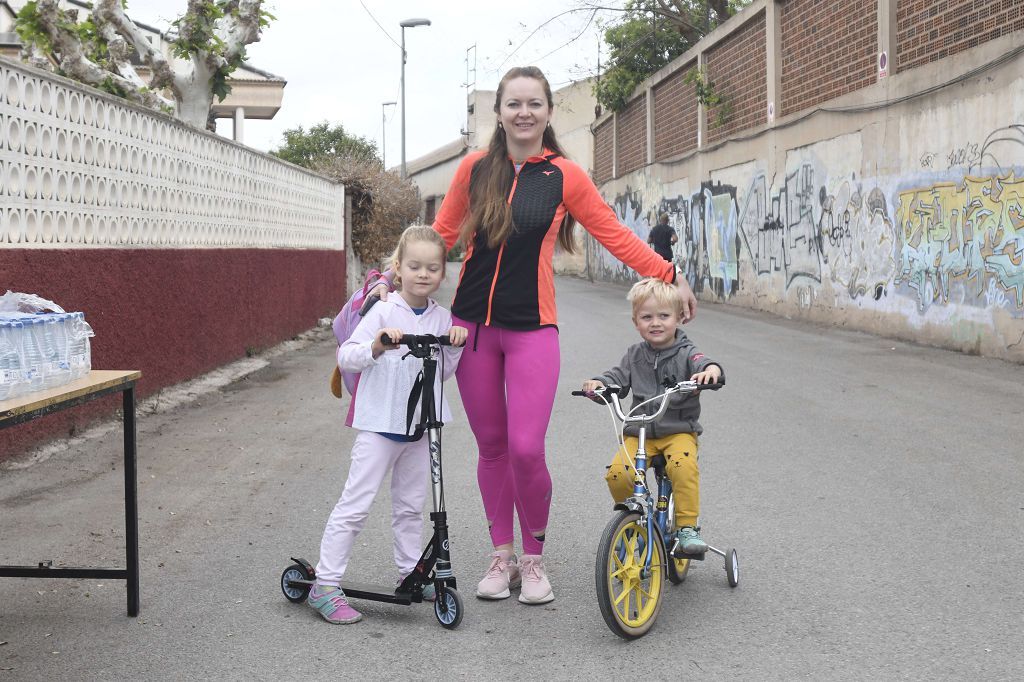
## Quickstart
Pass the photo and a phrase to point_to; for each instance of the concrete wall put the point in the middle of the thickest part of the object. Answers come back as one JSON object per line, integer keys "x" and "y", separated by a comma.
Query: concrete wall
{"x": 185, "y": 251}
{"x": 897, "y": 209}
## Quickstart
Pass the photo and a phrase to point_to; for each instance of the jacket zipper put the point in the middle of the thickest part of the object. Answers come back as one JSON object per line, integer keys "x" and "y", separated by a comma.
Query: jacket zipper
{"x": 501, "y": 251}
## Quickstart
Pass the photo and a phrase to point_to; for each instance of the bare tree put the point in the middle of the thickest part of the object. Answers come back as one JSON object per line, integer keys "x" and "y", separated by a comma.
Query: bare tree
{"x": 208, "y": 43}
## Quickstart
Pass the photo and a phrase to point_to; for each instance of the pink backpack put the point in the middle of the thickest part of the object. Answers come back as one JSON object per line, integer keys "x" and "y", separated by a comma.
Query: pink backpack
{"x": 346, "y": 321}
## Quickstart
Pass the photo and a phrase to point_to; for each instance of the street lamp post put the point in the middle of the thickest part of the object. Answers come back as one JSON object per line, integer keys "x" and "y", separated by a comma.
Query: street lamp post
{"x": 408, "y": 23}
{"x": 383, "y": 132}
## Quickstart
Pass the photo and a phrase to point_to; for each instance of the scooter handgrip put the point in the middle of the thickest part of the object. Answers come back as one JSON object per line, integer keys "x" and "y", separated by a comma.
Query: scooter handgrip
{"x": 424, "y": 340}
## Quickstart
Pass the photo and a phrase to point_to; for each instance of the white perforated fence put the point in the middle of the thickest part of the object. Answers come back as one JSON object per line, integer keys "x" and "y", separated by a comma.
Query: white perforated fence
{"x": 79, "y": 168}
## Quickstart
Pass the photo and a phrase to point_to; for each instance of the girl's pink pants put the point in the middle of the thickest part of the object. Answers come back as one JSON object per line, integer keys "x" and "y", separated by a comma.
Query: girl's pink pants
{"x": 373, "y": 456}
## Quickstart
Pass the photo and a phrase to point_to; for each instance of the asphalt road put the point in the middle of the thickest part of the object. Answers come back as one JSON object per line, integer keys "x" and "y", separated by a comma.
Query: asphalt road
{"x": 872, "y": 488}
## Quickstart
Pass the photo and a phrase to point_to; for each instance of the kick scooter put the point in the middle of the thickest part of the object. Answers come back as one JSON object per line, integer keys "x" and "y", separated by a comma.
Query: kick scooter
{"x": 434, "y": 566}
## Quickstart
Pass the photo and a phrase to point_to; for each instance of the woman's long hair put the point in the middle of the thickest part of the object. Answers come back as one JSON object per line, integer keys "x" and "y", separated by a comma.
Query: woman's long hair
{"x": 490, "y": 213}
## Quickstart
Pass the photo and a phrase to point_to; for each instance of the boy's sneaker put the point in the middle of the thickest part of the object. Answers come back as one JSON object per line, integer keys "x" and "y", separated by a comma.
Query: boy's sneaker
{"x": 429, "y": 593}
{"x": 330, "y": 603}
{"x": 502, "y": 575}
{"x": 688, "y": 541}
{"x": 536, "y": 588}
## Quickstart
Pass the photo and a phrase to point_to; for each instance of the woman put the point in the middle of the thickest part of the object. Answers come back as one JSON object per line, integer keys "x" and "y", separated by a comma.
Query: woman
{"x": 509, "y": 205}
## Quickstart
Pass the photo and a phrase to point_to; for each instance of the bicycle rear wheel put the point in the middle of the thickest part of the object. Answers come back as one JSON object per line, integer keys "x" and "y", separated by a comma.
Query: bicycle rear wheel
{"x": 628, "y": 591}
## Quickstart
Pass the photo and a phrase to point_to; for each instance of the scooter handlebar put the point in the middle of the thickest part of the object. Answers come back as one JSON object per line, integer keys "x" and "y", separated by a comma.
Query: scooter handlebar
{"x": 416, "y": 340}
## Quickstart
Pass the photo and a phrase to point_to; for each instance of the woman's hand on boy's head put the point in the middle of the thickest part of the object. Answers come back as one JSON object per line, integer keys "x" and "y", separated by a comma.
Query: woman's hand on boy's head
{"x": 458, "y": 335}
{"x": 688, "y": 299}
{"x": 711, "y": 375}
{"x": 386, "y": 339}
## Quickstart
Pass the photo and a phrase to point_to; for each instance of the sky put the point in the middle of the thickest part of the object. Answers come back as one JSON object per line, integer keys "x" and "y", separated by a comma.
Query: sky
{"x": 341, "y": 66}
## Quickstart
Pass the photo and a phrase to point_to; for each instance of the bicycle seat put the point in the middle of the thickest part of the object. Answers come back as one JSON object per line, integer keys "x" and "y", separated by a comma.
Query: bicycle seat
{"x": 657, "y": 462}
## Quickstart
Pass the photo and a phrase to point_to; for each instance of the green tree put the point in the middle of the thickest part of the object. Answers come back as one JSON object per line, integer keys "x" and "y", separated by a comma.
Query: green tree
{"x": 383, "y": 204}
{"x": 305, "y": 148}
{"x": 649, "y": 35}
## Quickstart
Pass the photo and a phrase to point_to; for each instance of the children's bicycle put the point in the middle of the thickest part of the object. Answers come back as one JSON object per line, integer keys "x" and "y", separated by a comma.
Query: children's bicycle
{"x": 434, "y": 565}
{"x": 637, "y": 549}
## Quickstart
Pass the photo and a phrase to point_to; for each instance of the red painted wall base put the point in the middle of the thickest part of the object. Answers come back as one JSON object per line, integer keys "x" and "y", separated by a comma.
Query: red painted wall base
{"x": 173, "y": 314}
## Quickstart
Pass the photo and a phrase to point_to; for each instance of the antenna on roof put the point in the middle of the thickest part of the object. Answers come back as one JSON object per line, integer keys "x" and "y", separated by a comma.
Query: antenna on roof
{"x": 470, "y": 83}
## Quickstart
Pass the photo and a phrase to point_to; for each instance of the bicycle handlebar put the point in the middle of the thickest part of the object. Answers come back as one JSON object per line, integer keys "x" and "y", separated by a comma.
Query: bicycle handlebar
{"x": 681, "y": 387}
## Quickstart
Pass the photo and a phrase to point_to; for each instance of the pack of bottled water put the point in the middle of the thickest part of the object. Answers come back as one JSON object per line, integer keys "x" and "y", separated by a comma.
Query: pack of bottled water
{"x": 42, "y": 350}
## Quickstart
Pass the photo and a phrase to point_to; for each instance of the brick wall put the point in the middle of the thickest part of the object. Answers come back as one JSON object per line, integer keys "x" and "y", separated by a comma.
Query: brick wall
{"x": 828, "y": 50}
{"x": 738, "y": 66}
{"x": 675, "y": 115}
{"x": 928, "y": 30}
{"x": 631, "y": 136}
{"x": 604, "y": 140}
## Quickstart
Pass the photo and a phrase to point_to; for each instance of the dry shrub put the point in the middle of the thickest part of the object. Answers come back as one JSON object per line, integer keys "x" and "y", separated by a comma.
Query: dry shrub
{"x": 382, "y": 203}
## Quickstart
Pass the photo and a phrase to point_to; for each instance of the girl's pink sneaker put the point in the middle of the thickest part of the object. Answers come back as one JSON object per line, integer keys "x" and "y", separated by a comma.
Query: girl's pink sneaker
{"x": 330, "y": 602}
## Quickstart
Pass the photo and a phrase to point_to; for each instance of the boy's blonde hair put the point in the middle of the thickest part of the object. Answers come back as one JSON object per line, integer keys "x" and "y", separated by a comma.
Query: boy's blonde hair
{"x": 416, "y": 233}
{"x": 661, "y": 291}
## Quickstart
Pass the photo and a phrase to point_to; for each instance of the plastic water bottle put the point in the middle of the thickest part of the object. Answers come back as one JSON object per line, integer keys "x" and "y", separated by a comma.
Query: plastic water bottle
{"x": 58, "y": 371}
{"x": 10, "y": 359}
{"x": 34, "y": 366}
{"x": 79, "y": 352}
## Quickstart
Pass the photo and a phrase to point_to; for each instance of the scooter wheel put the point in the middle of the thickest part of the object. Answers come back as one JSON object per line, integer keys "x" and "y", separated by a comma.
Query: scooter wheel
{"x": 295, "y": 593}
{"x": 448, "y": 608}
{"x": 732, "y": 568}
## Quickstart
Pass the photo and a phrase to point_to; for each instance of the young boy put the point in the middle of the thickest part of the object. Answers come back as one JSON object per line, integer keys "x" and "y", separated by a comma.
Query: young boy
{"x": 665, "y": 357}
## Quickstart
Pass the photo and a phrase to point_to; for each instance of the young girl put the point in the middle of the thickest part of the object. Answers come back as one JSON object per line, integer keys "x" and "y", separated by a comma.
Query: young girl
{"x": 380, "y": 416}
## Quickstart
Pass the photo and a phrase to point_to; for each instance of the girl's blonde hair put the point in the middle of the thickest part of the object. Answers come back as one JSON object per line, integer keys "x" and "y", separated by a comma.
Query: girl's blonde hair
{"x": 661, "y": 291}
{"x": 416, "y": 233}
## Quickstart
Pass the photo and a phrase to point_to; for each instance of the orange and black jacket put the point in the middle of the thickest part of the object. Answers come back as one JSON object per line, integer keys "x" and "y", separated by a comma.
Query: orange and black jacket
{"x": 513, "y": 286}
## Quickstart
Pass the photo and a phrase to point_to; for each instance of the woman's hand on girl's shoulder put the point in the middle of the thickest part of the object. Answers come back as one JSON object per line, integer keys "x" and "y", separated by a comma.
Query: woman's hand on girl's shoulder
{"x": 458, "y": 335}
{"x": 380, "y": 290}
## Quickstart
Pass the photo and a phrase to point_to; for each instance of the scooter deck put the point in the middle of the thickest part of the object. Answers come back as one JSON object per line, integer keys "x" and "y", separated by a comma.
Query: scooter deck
{"x": 376, "y": 593}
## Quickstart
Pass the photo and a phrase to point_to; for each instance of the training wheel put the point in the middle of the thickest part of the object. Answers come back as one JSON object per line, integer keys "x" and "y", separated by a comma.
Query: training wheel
{"x": 448, "y": 608}
{"x": 732, "y": 568}
{"x": 677, "y": 569}
{"x": 295, "y": 593}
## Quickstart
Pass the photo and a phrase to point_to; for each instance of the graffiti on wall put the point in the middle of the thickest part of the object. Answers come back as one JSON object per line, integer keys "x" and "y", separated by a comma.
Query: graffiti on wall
{"x": 971, "y": 232}
{"x": 934, "y": 237}
{"x": 706, "y": 227}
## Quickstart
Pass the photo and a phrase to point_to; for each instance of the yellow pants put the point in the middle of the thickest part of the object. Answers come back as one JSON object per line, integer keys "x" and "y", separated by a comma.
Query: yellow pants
{"x": 680, "y": 452}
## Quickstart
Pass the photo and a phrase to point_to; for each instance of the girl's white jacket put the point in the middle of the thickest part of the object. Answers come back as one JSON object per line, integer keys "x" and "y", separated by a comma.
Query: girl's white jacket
{"x": 382, "y": 397}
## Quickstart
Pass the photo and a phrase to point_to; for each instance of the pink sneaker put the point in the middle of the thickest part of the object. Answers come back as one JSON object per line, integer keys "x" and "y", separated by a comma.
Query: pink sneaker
{"x": 536, "y": 588}
{"x": 502, "y": 575}
{"x": 330, "y": 603}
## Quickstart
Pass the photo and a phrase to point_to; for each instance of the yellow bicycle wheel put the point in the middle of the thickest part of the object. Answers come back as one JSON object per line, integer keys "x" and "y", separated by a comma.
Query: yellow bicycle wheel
{"x": 629, "y": 591}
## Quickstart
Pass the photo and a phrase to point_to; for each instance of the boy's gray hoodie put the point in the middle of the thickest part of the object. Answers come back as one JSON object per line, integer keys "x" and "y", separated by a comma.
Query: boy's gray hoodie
{"x": 646, "y": 372}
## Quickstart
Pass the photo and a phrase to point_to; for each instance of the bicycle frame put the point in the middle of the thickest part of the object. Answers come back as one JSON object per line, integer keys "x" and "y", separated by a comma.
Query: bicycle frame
{"x": 654, "y": 512}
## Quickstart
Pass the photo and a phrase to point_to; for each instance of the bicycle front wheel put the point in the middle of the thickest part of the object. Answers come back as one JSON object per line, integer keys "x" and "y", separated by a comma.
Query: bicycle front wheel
{"x": 629, "y": 591}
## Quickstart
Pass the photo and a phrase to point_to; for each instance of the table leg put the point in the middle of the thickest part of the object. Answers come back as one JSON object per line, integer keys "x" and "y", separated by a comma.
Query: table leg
{"x": 131, "y": 512}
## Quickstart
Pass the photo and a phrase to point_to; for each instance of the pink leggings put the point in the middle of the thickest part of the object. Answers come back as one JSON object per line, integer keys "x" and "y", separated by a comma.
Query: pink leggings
{"x": 507, "y": 380}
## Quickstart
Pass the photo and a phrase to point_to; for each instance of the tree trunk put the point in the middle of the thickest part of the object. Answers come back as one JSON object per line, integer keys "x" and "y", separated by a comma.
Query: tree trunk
{"x": 195, "y": 97}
